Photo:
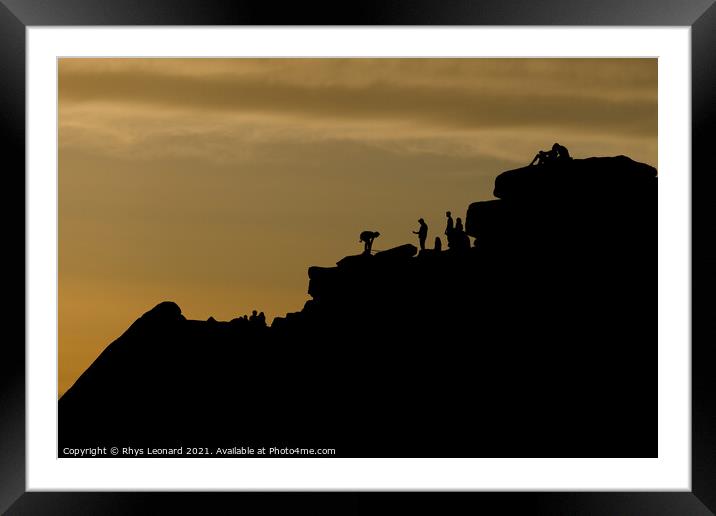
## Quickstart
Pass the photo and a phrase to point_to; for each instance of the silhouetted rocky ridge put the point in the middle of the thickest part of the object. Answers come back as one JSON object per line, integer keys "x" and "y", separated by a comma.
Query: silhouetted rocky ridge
{"x": 539, "y": 340}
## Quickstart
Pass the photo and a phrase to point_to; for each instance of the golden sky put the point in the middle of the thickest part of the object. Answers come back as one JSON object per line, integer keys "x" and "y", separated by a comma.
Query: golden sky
{"x": 216, "y": 183}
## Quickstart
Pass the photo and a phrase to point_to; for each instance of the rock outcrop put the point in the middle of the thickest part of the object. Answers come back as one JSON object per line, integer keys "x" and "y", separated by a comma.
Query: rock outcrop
{"x": 539, "y": 341}
{"x": 577, "y": 179}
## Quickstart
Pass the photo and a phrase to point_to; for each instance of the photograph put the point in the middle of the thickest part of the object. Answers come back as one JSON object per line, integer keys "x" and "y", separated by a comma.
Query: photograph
{"x": 357, "y": 257}
{"x": 423, "y": 256}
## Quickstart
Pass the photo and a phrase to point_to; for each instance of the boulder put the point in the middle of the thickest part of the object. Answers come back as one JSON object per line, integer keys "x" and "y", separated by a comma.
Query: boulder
{"x": 165, "y": 311}
{"x": 482, "y": 216}
{"x": 320, "y": 279}
{"x": 354, "y": 260}
{"x": 400, "y": 253}
{"x": 577, "y": 179}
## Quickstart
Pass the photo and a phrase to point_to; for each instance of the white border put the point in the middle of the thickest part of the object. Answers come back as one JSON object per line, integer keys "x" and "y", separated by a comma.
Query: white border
{"x": 670, "y": 471}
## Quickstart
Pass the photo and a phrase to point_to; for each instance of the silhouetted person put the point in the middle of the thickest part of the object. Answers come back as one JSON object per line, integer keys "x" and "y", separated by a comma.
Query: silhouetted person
{"x": 438, "y": 244}
{"x": 261, "y": 319}
{"x": 460, "y": 240}
{"x": 562, "y": 152}
{"x": 544, "y": 157}
{"x": 253, "y": 317}
{"x": 449, "y": 228}
{"x": 422, "y": 233}
{"x": 558, "y": 152}
{"x": 367, "y": 237}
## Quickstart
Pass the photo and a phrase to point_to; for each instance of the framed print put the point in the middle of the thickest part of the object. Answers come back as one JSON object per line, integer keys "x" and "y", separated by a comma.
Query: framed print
{"x": 283, "y": 254}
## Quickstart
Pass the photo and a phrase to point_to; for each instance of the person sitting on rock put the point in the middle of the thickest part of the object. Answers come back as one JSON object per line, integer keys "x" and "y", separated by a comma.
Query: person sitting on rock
{"x": 544, "y": 157}
{"x": 558, "y": 152}
{"x": 562, "y": 152}
{"x": 460, "y": 240}
{"x": 438, "y": 245}
{"x": 367, "y": 238}
{"x": 422, "y": 233}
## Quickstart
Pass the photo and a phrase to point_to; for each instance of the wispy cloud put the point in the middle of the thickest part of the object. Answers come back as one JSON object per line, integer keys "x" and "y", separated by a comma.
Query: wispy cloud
{"x": 448, "y": 104}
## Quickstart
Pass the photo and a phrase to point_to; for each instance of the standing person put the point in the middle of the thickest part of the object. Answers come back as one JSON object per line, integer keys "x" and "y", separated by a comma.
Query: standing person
{"x": 449, "y": 228}
{"x": 367, "y": 238}
{"x": 422, "y": 233}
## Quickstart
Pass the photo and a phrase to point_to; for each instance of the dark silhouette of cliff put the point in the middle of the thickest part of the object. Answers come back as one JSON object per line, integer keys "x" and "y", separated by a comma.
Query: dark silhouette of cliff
{"x": 539, "y": 340}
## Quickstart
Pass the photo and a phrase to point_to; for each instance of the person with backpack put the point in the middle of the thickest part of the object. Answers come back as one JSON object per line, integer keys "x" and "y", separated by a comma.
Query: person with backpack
{"x": 367, "y": 238}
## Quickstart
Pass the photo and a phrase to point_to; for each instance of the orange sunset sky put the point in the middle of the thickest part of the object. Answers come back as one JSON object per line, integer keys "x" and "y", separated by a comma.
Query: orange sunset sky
{"x": 216, "y": 183}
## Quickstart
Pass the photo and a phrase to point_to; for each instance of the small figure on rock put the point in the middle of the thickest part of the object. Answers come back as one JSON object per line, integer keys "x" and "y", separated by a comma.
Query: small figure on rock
{"x": 460, "y": 241}
{"x": 257, "y": 320}
{"x": 367, "y": 238}
{"x": 558, "y": 152}
{"x": 438, "y": 245}
{"x": 562, "y": 152}
{"x": 240, "y": 321}
{"x": 544, "y": 157}
{"x": 422, "y": 233}
{"x": 449, "y": 228}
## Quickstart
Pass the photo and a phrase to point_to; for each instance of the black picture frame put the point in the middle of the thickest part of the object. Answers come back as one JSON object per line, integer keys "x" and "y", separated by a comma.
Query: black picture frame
{"x": 699, "y": 15}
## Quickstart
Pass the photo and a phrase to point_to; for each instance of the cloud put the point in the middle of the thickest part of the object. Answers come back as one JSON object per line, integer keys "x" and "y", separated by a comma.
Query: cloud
{"x": 508, "y": 99}
{"x": 625, "y": 78}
